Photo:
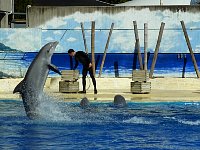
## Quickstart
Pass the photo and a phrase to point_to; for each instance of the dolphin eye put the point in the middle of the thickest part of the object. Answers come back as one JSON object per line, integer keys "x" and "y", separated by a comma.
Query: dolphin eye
{"x": 48, "y": 50}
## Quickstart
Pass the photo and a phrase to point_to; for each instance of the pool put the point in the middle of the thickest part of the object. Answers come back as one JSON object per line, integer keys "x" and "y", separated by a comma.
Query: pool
{"x": 170, "y": 126}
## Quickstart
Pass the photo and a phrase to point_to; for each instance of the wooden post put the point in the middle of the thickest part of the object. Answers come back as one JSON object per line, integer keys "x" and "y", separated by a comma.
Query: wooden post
{"x": 138, "y": 44}
{"x": 106, "y": 48}
{"x": 190, "y": 48}
{"x": 157, "y": 49}
{"x": 184, "y": 65}
{"x": 116, "y": 68}
{"x": 93, "y": 47}
{"x": 84, "y": 39}
{"x": 145, "y": 45}
{"x": 135, "y": 56}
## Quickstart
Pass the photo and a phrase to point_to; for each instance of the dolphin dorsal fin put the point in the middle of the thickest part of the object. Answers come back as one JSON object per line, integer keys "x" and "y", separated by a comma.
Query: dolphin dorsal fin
{"x": 54, "y": 68}
{"x": 18, "y": 88}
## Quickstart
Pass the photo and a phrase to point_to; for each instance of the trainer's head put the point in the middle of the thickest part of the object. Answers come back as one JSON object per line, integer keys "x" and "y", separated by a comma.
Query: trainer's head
{"x": 71, "y": 52}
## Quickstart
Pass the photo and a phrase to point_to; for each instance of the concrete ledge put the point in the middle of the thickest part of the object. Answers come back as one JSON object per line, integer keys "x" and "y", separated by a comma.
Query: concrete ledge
{"x": 163, "y": 89}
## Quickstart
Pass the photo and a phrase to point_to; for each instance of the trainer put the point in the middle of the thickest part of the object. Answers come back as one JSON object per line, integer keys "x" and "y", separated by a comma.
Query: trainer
{"x": 83, "y": 58}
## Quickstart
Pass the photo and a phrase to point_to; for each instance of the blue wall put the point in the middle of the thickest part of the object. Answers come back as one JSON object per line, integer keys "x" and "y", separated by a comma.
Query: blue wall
{"x": 63, "y": 24}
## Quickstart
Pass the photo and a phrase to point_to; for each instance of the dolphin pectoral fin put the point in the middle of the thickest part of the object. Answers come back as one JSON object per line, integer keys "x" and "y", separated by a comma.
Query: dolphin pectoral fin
{"x": 18, "y": 88}
{"x": 54, "y": 68}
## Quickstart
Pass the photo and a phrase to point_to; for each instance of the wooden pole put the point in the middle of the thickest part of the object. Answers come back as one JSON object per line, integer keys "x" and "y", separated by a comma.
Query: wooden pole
{"x": 184, "y": 65}
{"x": 145, "y": 45}
{"x": 106, "y": 48}
{"x": 135, "y": 56}
{"x": 157, "y": 49}
{"x": 138, "y": 44}
{"x": 84, "y": 39}
{"x": 93, "y": 47}
{"x": 190, "y": 48}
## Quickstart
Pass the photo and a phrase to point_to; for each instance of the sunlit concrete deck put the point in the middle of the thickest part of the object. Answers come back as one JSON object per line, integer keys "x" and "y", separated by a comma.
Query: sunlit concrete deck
{"x": 163, "y": 90}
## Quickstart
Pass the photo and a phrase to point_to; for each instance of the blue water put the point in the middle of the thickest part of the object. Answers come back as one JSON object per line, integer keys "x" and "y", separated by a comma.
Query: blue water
{"x": 139, "y": 126}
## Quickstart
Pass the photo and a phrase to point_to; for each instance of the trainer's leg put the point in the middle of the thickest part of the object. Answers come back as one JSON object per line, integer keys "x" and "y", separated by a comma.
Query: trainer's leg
{"x": 93, "y": 78}
{"x": 84, "y": 73}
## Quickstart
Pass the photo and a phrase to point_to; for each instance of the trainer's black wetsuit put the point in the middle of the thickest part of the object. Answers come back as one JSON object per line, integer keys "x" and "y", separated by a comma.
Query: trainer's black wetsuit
{"x": 83, "y": 58}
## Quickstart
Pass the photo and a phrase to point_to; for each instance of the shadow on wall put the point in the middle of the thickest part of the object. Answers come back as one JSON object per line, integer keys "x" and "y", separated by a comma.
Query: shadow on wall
{"x": 2, "y": 14}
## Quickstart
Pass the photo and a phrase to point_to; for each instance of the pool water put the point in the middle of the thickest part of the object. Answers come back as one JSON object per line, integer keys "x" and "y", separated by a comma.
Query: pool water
{"x": 152, "y": 126}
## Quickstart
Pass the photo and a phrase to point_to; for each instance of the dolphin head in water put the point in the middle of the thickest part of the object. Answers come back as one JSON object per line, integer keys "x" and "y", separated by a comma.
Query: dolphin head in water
{"x": 31, "y": 87}
{"x": 84, "y": 102}
{"x": 119, "y": 101}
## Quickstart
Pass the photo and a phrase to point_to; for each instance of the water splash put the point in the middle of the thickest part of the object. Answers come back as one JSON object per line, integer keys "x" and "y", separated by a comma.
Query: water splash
{"x": 92, "y": 114}
{"x": 170, "y": 118}
{"x": 193, "y": 103}
{"x": 184, "y": 121}
{"x": 49, "y": 109}
{"x": 188, "y": 122}
{"x": 139, "y": 120}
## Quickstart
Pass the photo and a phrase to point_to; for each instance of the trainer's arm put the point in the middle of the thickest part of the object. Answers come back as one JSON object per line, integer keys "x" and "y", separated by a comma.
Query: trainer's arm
{"x": 76, "y": 65}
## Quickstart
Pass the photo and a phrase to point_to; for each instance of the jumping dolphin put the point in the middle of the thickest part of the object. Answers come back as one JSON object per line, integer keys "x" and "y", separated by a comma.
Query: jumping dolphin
{"x": 84, "y": 102}
{"x": 31, "y": 87}
{"x": 119, "y": 101}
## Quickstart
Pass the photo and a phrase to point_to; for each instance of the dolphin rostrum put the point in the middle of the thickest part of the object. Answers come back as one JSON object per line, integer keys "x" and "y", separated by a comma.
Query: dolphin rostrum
{"x": 31, "y": 87}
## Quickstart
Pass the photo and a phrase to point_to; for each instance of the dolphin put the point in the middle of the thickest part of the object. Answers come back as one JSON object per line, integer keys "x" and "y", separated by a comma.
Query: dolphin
{"x": 84, "y": 102}
{"x": 31, "y": 87}
{"x": 119, "y": 101}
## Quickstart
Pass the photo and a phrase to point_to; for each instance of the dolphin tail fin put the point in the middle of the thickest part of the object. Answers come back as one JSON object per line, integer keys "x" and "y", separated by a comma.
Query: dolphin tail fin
{"x": 18, "y": 88}
{"x": 54, "y": 68}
